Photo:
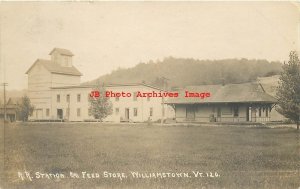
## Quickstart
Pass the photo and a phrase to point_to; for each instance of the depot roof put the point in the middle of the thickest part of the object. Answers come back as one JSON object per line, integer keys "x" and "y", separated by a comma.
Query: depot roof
{"x": 229, "y": 93}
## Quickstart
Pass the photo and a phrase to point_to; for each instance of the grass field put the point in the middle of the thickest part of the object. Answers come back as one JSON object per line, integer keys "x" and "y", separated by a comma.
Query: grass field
{"x": 243, "y": 157}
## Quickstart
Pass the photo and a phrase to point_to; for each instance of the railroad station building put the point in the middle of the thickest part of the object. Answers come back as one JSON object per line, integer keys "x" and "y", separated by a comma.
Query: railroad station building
{"x": 247, "y": 102}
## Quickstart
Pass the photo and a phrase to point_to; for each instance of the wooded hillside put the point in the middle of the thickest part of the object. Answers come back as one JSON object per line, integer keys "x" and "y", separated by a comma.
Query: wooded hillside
{"x": 182, "y": 72}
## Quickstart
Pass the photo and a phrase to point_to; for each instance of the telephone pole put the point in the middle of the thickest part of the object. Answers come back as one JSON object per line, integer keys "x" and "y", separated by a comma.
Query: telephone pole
{"x": 4, "y": 102}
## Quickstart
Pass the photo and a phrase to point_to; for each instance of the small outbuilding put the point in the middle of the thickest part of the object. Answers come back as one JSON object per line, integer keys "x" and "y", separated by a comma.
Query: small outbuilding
{"x": 11, "y": 109}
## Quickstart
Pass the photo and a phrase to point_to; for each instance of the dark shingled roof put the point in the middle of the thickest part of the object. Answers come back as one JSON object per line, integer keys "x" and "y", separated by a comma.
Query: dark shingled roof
{"x": 55, "y": 68}
{"x": 62, "y": 51}
{"x": 230, "y": 93}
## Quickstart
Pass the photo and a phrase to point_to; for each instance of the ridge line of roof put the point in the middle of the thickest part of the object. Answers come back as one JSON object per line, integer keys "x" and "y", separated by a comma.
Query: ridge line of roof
{"x": 62, "y": 51}
{"x": 51, "y": 63}
{"x": 108, "y": 85}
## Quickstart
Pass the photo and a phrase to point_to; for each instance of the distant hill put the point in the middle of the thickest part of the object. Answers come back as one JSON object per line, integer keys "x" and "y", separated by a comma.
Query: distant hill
{"x": 182, "y": 72}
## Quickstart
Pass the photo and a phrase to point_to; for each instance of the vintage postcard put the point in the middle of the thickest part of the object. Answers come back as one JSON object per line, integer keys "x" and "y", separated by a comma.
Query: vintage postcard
{"x": 149, "y": 94}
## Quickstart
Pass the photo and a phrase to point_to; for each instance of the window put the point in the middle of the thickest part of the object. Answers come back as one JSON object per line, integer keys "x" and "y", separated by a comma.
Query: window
{"x": 66, "y": 61}
{"x": 68, "y": 98}
{"x": 117, "y": 111}
{"x": 218, "y": 112}
{"x": 78, "y": 97}
{"x": 68, "y": 112}
{"x": 117, "y": 98}
{"x": 151, "y": 112}
{"x": 135, "y": 112}
{"x": 135, "y": 96}
{"x": 58, "y": 98}
{"x": 259, "y": 112}
{"x": 267, "y": 112}
{"x": 78, "y": 112}
{"x": 236, "y": 111}
{"x": 148, "y": 98}
{"x": 47, "y": 112}
{"x": 56, "y": 59}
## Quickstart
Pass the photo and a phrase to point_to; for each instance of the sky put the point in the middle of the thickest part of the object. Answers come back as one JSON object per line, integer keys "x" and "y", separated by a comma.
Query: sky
{"x": 104, "y": 36}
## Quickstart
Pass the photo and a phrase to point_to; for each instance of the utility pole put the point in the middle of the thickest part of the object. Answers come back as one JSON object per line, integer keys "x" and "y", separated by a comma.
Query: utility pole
{"x": 4, "y": 102}
{"x": 69, "y": 99}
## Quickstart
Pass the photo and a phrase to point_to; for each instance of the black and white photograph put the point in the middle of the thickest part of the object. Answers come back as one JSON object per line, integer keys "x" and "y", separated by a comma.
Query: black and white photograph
{"x": 149, "y": 94}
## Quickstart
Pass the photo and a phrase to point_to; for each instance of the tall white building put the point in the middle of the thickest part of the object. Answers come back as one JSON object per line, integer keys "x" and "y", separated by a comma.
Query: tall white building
{"x": 55, "y": 91}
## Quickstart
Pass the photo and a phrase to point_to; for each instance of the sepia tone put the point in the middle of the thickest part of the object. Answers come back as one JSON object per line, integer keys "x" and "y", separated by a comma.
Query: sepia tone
{"x": 146, "y": 95}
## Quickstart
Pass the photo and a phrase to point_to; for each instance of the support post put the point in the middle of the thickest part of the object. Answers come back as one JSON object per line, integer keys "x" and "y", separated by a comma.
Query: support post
{"x": 163, "y": 100}
{"x": 4, "y": 100}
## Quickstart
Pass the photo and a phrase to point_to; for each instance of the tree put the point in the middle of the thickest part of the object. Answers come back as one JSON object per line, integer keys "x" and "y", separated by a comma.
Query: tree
{"x": 288, "y": 91}
{"x": 100, "y": 106}
{"x": 25, "y": 108}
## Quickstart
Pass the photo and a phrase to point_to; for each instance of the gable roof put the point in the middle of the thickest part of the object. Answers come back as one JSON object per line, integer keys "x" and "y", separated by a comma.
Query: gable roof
{"x": 62, "y": 51}
{"x": 14, "y": 100}
{"x": 55, "y": 68}
{"x": 230, "y": 93}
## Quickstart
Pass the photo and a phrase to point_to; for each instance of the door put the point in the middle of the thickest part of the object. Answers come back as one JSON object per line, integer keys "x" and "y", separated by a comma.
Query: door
{"x": 127, "y": 114}
{"x": 60, "y": 114}
{"x": 219, "y": 114}
{"x": 190, "y": 113}
{"x": 253, "y": 114}
{"x": 249, "y": 114}
{"x": 39, "y": 113}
